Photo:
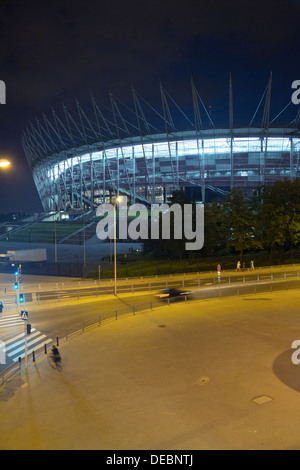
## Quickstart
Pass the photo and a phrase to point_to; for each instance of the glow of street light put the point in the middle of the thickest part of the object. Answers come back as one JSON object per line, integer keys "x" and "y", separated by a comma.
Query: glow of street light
{"x": 4, "y": 163}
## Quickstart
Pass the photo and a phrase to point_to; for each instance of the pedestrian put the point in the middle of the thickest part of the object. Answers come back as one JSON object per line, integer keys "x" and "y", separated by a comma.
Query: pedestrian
{"x": 238, "y": 266}
{"x": 244, "y": 265}
{"x": 252, "y": 265}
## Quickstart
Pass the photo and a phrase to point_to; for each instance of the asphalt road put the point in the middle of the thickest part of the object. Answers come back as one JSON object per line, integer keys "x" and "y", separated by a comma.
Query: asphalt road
{"x": 59, "y": 312}
{"x": 58, "y": 316}
{"x": 61, "y": 321}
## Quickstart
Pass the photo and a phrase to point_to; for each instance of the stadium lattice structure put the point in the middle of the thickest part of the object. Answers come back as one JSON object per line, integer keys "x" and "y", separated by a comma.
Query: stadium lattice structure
{"x": 83, "y": 158}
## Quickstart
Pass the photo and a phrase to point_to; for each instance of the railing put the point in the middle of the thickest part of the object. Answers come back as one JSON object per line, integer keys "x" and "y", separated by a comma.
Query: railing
{"x": 61, "y": 294}
{"x": 84, "y": 283}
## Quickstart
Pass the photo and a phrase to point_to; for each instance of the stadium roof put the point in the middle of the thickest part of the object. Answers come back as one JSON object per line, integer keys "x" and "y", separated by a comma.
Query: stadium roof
{"x": 88, "y": 127}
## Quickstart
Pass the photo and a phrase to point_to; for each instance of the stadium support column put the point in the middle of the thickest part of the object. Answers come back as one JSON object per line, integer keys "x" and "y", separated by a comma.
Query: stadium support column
{"x": 265, "y": 124}
{"x": 62, "y": 203}
{"x": 153, "y": 176}
{"x": 170, "y": 120}
{"x": 231, "y": 127}
{"x": 104, "y": 179}
{"x": 141, "y": 117}
{"x": 261, "y": 156}
{"x": 177, "y": 166}
{"x": 92, "y": 181}
{"x": 118, "y": 173}
{"x": 202, "y": 170}
{"x": 198, "y": 125}
{"x": 72, "y": 183}
{"x": 231, "y": 163}
{"x": 81, "y": 198}
{"x": 291, "y": 159}
{"x": 133, "y": 173}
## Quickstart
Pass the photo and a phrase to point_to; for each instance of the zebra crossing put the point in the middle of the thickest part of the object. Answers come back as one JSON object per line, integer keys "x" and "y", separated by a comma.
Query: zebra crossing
{"x": 13, "y": 319}
{"x": 15, "y": 347}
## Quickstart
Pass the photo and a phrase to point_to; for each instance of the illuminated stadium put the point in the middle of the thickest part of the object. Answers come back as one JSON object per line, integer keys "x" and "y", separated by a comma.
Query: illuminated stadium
{"x": 83, "y": 158}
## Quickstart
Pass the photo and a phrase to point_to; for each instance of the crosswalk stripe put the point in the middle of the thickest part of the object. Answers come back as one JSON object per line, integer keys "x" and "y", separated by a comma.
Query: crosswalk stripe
{"x": 13, "y": 345}
{"x": 9, "y": 316}
{"x": 31, "y": 343}
{"x": 30, "y": 351}
{"x": 17, "y": 337}
{"x": 10, "y": 322}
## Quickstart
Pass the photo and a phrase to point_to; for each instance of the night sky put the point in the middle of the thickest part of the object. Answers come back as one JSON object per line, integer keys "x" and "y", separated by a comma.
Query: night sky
{"x": 52, "y": 53}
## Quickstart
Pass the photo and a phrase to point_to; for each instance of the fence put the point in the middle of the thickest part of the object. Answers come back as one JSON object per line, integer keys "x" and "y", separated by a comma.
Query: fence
{"x": 61, "y": 292}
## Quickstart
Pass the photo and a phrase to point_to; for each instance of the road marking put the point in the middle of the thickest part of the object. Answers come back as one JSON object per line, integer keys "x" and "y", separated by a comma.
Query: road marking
{"x": 202, "y": 381}
{"x": 16, "y": 345}
{"x": 29, "y": 343}
{"x": 10, "y": 320}
{"x": 17, "y": 337}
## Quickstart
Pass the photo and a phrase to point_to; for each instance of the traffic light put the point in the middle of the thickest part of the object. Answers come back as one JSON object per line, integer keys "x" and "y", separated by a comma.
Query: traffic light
{"x": 16, "y": 286}
{"x": 28, "y": 326}
{"x": 21, "y": 298}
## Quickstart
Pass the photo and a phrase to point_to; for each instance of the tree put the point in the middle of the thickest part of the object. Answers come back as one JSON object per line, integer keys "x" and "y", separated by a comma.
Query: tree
{"x": 278, "y": 215}
{"x": 215, "y": 228}
{"x": 240, "y": 223}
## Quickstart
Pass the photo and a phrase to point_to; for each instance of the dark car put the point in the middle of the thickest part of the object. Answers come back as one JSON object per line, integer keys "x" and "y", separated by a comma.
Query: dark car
{"x": 171, "y": 292}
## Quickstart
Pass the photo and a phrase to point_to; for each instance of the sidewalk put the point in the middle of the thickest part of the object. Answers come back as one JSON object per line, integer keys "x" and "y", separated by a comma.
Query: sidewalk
{"x": 178, "y": 377}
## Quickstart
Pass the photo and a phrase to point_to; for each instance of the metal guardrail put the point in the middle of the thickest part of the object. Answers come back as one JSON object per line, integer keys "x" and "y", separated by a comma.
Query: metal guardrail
{"x": 83, "y": 283}
{"x": 61, "y": 295}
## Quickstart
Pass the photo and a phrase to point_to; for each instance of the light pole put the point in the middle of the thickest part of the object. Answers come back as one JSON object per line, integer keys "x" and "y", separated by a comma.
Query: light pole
{"x": 117, "y": 199}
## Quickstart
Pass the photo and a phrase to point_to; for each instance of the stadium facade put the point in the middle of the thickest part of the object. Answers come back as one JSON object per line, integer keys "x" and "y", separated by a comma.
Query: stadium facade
{"x": 83, "y": 158}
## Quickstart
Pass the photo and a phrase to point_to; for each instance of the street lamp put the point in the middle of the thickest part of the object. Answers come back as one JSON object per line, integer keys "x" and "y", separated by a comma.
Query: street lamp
{"x": 4, "y": 164}
{"x": 117, "y": 199}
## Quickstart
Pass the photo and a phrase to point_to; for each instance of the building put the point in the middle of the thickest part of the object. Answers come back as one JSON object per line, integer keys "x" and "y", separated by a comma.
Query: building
{"x": 82, "y": 159}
